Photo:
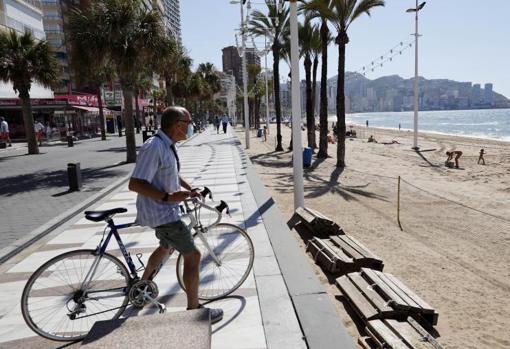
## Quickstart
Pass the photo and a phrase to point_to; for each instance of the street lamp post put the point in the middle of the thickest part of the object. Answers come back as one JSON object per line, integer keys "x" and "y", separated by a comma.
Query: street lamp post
{"x": 416, "y": 87}
{"x": 297, "y": 151}
{"x": 242, "y": 53}
{"x": 245, "y": 80}
{"x": 265, "y": 74}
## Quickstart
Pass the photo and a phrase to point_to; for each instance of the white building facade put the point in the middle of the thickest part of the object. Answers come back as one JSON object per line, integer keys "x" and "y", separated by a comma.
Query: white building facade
{"x": 172, "y": 16}
{"x": 23, "y": 16}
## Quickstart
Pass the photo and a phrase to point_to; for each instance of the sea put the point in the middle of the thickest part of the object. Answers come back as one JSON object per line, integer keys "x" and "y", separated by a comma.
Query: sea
{"x": 479, "y": 123}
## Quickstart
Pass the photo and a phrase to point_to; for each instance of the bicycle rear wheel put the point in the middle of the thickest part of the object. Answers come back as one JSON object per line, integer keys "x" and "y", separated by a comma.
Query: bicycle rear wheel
{"x": 56, "y": 305}
{"x": 234, "y": 249}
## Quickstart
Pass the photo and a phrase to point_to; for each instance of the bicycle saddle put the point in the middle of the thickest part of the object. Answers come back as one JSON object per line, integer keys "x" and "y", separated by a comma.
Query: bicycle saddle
{"x": 97, "y": 216}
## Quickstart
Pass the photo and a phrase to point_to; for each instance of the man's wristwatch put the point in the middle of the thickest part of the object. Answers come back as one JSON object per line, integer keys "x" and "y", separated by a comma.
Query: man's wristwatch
{"x": 165, "y": 197}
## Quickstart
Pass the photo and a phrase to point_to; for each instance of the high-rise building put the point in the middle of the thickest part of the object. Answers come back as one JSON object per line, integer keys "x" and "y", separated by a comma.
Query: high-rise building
{"x": 476, "y": 95}
{"x": 232, "y": 62}
{"x": 488, "y": 94}
{"x": 23, "y": 16}
{"x": 172, "y": 15}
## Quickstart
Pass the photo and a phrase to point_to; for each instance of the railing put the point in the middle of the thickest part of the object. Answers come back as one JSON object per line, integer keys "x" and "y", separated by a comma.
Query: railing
{"x": 22, "y": 28}
{"x": 35, "y": 3}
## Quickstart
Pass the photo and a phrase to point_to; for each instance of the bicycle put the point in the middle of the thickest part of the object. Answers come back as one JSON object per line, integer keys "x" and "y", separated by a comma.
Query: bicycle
{"x": 67, "y": 294}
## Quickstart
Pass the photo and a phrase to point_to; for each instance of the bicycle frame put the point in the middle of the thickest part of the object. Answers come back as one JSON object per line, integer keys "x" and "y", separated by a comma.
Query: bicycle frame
{"x": 192, "y": 214}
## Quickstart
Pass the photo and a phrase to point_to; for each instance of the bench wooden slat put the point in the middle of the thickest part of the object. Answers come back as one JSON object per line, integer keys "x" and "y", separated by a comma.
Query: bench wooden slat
{"x": 362, "y": 247}
{"x": 343, "y": 244}
{"x": 408, "y": 299}
{"x": 412, "y": 337}
{"x": 424, "y": 333}
{"x": 426, "y": 308}
{"x": 371, "y": 294}
{"x": 366, "y": 310}
{"x": 335, "y": 250}
{"x": 385, "y": 289}
{"x": 390, "y": 339}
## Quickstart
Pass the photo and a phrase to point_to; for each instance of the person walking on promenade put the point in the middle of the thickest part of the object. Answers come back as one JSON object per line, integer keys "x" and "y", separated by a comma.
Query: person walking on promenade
{"x": 366, "y": 122}
{"x": 217, "y": 124}
{"x": 224, "y": 121}
{"x": 39, "y": 131}
{"x": 4, "y": 131}
{"x": 480, "y": 158}
{"x": 158, "y": 184}
{"x": 451, "y": 154}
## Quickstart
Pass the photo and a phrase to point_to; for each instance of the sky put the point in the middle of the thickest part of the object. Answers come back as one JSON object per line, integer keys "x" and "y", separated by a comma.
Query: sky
{"x": 462, "y": 40}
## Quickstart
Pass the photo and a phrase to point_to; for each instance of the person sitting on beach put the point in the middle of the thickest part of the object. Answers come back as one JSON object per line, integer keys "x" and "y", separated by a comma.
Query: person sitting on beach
{"x": 480, "y": 158}
{"x": 451, "y": 154}
{"x": 371, "y": 139}
{"x": 393, "y": 141}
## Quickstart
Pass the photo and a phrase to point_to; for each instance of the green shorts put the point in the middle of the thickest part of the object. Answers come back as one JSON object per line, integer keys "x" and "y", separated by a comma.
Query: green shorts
{"x": 176, "y": 235}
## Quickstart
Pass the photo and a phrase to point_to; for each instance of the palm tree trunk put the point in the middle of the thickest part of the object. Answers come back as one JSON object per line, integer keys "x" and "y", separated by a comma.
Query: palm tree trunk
{"x": 323, "y": 110}
{"x": 28, "y": 121}
{"x": 277, "y": 105}
{"x": 128, "y": 123}
{"x": 310, "y": 120}
{"x": 101, "y": 114}
{"x": 137, "y": 110}
{"x": 169, "y": 96}
{"x": 314, "y": 89}
{"x": 340, "y": 107}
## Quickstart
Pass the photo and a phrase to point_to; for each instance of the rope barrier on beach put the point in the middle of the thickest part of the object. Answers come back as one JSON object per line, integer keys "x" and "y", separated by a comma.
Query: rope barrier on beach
{"x": 455, "y": 202}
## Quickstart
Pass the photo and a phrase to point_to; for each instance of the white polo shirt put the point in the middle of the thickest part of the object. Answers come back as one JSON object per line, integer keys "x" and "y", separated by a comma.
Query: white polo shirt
{"x": 156, "y": 164}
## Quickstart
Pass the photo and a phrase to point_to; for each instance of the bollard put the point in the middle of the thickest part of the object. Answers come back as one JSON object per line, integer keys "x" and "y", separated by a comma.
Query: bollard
{"x": 307, "y": 157}
{"x": 74, "y": 176}
{"x": 70, "y": 141}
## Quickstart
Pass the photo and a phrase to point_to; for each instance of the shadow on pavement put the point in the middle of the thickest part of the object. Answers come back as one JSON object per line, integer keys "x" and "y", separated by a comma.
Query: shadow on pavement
{"x": 53, "y": 179}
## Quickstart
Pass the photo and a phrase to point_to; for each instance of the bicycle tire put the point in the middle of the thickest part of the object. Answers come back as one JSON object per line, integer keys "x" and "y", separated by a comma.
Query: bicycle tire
{"x": 74, "y": 329}
{"x": 205, "y": 291}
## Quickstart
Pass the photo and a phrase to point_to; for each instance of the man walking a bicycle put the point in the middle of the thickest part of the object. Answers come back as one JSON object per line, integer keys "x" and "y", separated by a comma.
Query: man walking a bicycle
{"x": 159, "y": 186}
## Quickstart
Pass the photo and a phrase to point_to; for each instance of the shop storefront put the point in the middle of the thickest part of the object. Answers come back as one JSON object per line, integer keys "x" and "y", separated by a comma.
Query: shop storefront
{"x": 77, "y": 115}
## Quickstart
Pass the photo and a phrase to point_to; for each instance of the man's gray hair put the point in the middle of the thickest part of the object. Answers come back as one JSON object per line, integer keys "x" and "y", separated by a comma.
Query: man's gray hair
{"x": 171, "y": 115}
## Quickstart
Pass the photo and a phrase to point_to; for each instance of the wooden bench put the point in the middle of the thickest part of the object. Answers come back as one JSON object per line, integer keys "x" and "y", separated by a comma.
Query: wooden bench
{"x": 342, "y": 254}
{"x": 377, "y": 295}
{"x": 317, "y": 223}
{"x": 390, "y": 333}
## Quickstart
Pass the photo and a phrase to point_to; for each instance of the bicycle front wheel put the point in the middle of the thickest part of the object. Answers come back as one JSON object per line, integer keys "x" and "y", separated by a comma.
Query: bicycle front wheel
{"x": 234, "y": 251}
{"x": 69, "y": 293}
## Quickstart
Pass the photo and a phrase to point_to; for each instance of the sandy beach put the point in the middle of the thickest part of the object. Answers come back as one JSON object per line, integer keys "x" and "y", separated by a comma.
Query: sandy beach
{"x": 454, "y": 250}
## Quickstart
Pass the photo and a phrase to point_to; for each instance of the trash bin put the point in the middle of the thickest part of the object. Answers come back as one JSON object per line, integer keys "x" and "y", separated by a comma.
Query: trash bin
{"x": 259, "y": 132}
{"x": 307, "y": 157}
{"x": 74, "y": 176}
{"x": 70, "y": 142}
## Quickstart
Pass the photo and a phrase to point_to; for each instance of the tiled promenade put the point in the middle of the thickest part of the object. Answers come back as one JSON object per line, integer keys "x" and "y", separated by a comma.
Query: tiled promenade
{"x": 260, "y": 314}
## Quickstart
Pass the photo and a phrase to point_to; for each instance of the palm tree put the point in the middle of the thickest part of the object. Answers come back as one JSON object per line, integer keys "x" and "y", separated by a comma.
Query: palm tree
{"x": 305, "y": 43}
{"x": 276, "y": 26}
{"x": 22, "y": 61}
{"x": 131, "y": 37}
{"x": 320, "y": 9}
{"x": 91, "y": 68}
{"x": 341, "y": 14}
{"x": 173, "y": 67}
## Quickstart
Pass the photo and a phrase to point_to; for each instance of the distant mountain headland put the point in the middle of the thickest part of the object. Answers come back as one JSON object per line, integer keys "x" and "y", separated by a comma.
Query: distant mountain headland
{"x": 394, "y": 93}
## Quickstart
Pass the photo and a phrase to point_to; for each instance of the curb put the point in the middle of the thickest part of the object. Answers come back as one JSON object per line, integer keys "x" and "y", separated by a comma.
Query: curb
{"x": 8, "y": 252}
{"x": 311, "y": 302}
